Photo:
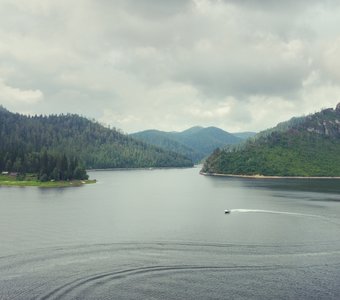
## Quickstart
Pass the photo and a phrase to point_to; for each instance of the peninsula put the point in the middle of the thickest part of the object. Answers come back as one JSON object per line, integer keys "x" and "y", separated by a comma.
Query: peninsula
{"x": 56, "y": 150}
{"x": 32, "y": 180}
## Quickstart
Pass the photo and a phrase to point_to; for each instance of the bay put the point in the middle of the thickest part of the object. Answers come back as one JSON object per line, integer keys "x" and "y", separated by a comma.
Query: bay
{"x": 163, "y": 234}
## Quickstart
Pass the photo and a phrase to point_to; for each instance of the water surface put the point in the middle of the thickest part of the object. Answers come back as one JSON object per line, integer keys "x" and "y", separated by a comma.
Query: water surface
{"x": 163, "y": 234}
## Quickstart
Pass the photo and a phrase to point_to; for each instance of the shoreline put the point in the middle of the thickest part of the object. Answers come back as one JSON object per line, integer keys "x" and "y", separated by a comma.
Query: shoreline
{"x": 47, "y": 184}
{"x": 140, "y": 169}
{"x": 268, "y": 177}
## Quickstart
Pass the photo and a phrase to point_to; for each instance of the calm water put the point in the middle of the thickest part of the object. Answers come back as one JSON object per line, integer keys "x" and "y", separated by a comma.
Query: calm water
{"x": 163, "y": 234}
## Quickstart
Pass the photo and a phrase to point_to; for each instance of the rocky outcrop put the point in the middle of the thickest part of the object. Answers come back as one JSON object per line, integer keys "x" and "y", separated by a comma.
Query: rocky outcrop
{"x": 337, "y": 109}
{"x": 326, "y": 122}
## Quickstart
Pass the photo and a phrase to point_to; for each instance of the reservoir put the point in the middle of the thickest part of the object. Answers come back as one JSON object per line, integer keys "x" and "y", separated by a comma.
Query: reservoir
{"x": 163, "y": 234}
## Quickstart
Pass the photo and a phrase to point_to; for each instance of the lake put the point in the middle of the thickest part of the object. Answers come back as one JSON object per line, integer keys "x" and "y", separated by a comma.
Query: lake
{"x": 163, "y": 234}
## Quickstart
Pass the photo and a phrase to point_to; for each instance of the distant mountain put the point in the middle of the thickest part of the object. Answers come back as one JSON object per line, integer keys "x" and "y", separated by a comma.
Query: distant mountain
{"x": 303, "y": 146}
{"x": 3, "y": 110}
{"x": 244, "y": 135}
{"x": 23, "y": 137}
{"x": 196, "y": 142}
{"x": 192, "y": 130}
{"x": 166, "y": 140}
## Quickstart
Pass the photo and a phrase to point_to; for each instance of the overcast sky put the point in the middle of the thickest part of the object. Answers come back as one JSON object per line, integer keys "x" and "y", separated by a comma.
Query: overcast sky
{"x": 139, "y": 64}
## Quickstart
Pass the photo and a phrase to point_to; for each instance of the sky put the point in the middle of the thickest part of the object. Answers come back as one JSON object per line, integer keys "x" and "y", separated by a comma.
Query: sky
{"x": 241, "y": 65}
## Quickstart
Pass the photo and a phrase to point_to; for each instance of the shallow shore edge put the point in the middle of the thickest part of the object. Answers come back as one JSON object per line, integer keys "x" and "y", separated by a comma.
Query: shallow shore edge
{"x": 267, "y": 177}
{"x": 47, "y": 184}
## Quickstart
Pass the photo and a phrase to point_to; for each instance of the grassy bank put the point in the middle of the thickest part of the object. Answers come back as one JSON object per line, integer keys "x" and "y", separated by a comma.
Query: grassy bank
{"x": 31, "y": 180}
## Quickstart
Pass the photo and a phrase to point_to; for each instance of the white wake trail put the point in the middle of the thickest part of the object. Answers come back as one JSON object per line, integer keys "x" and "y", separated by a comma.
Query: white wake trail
{"x": 242, "y": 210}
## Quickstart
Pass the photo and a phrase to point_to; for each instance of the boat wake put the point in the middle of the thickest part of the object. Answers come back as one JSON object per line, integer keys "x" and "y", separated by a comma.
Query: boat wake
{"x": 242, "y": 210}
{"x": 106, "y": 283}
{"x": 165, "y": 270}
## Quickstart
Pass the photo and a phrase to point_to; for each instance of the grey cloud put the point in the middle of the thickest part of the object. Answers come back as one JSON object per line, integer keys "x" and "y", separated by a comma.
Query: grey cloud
{"x": 194, "y": 62}
{"x": 281, "y": 6}
{"x": 241, "y": 83}
{"x": 156, "y": 9}
{"x": 245, "y": 73}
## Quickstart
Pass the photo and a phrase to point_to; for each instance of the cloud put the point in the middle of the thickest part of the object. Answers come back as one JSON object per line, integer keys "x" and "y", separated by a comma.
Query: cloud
{"x": 12, "y": 96}
{"x": 155, "y": 9}
{"x": 240, "y": 65}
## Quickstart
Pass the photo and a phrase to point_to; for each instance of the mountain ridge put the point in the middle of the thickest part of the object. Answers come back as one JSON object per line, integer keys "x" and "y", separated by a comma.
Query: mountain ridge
{"x": 303, "y": 146}
{"x": 196, "y": 142}
{"x": 93, "y": 144}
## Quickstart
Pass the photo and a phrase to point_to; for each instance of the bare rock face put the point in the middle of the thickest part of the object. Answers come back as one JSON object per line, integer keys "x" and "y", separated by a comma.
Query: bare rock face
{"x": 337, "y": 109}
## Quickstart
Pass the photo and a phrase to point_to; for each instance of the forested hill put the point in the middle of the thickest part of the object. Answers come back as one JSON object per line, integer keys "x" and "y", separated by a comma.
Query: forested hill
{"x": 196, "y": 142}
{"x": 244, "y": 135}
{"x": 305, "y": 146}
{"x": 77, "y": 137}
{"x": 164, "y": 140}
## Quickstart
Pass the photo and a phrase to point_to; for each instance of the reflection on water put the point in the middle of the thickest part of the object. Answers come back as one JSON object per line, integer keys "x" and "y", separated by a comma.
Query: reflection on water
{"x": 163, "y": 234}
{"x": 304, "y": 185}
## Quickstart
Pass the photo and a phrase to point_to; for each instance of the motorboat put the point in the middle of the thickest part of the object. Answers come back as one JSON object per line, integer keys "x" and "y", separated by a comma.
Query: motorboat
{"x": 227, "y": 211}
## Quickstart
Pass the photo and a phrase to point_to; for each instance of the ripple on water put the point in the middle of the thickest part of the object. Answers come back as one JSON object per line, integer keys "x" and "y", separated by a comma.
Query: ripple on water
{"x": 170, "y": 270}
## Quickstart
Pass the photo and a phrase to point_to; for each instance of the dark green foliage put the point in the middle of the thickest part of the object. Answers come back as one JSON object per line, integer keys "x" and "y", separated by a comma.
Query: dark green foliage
{"x": 308, "y": 147}
{"x": 43, "y": 177}
{"x": 27, "y": 141}
{"x": 21, "y": 176}
{"x": 59, "y": 167}
{"x": 196, "y": 142}
{"x": 46, "y": 166}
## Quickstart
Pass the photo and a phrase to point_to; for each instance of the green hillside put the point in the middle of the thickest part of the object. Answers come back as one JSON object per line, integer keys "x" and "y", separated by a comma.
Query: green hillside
{"x": 166, "y": 141}
{"x": 24, "y": 139}
{"x": 306, "y": 146}
{"x": 196, "y": 142}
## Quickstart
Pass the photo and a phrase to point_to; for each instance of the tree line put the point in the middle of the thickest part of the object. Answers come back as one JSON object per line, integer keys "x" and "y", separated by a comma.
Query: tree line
{"x": 291, "y": 153}
{"x": 24, "y": 139}
{"x": 46, "y": 165}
